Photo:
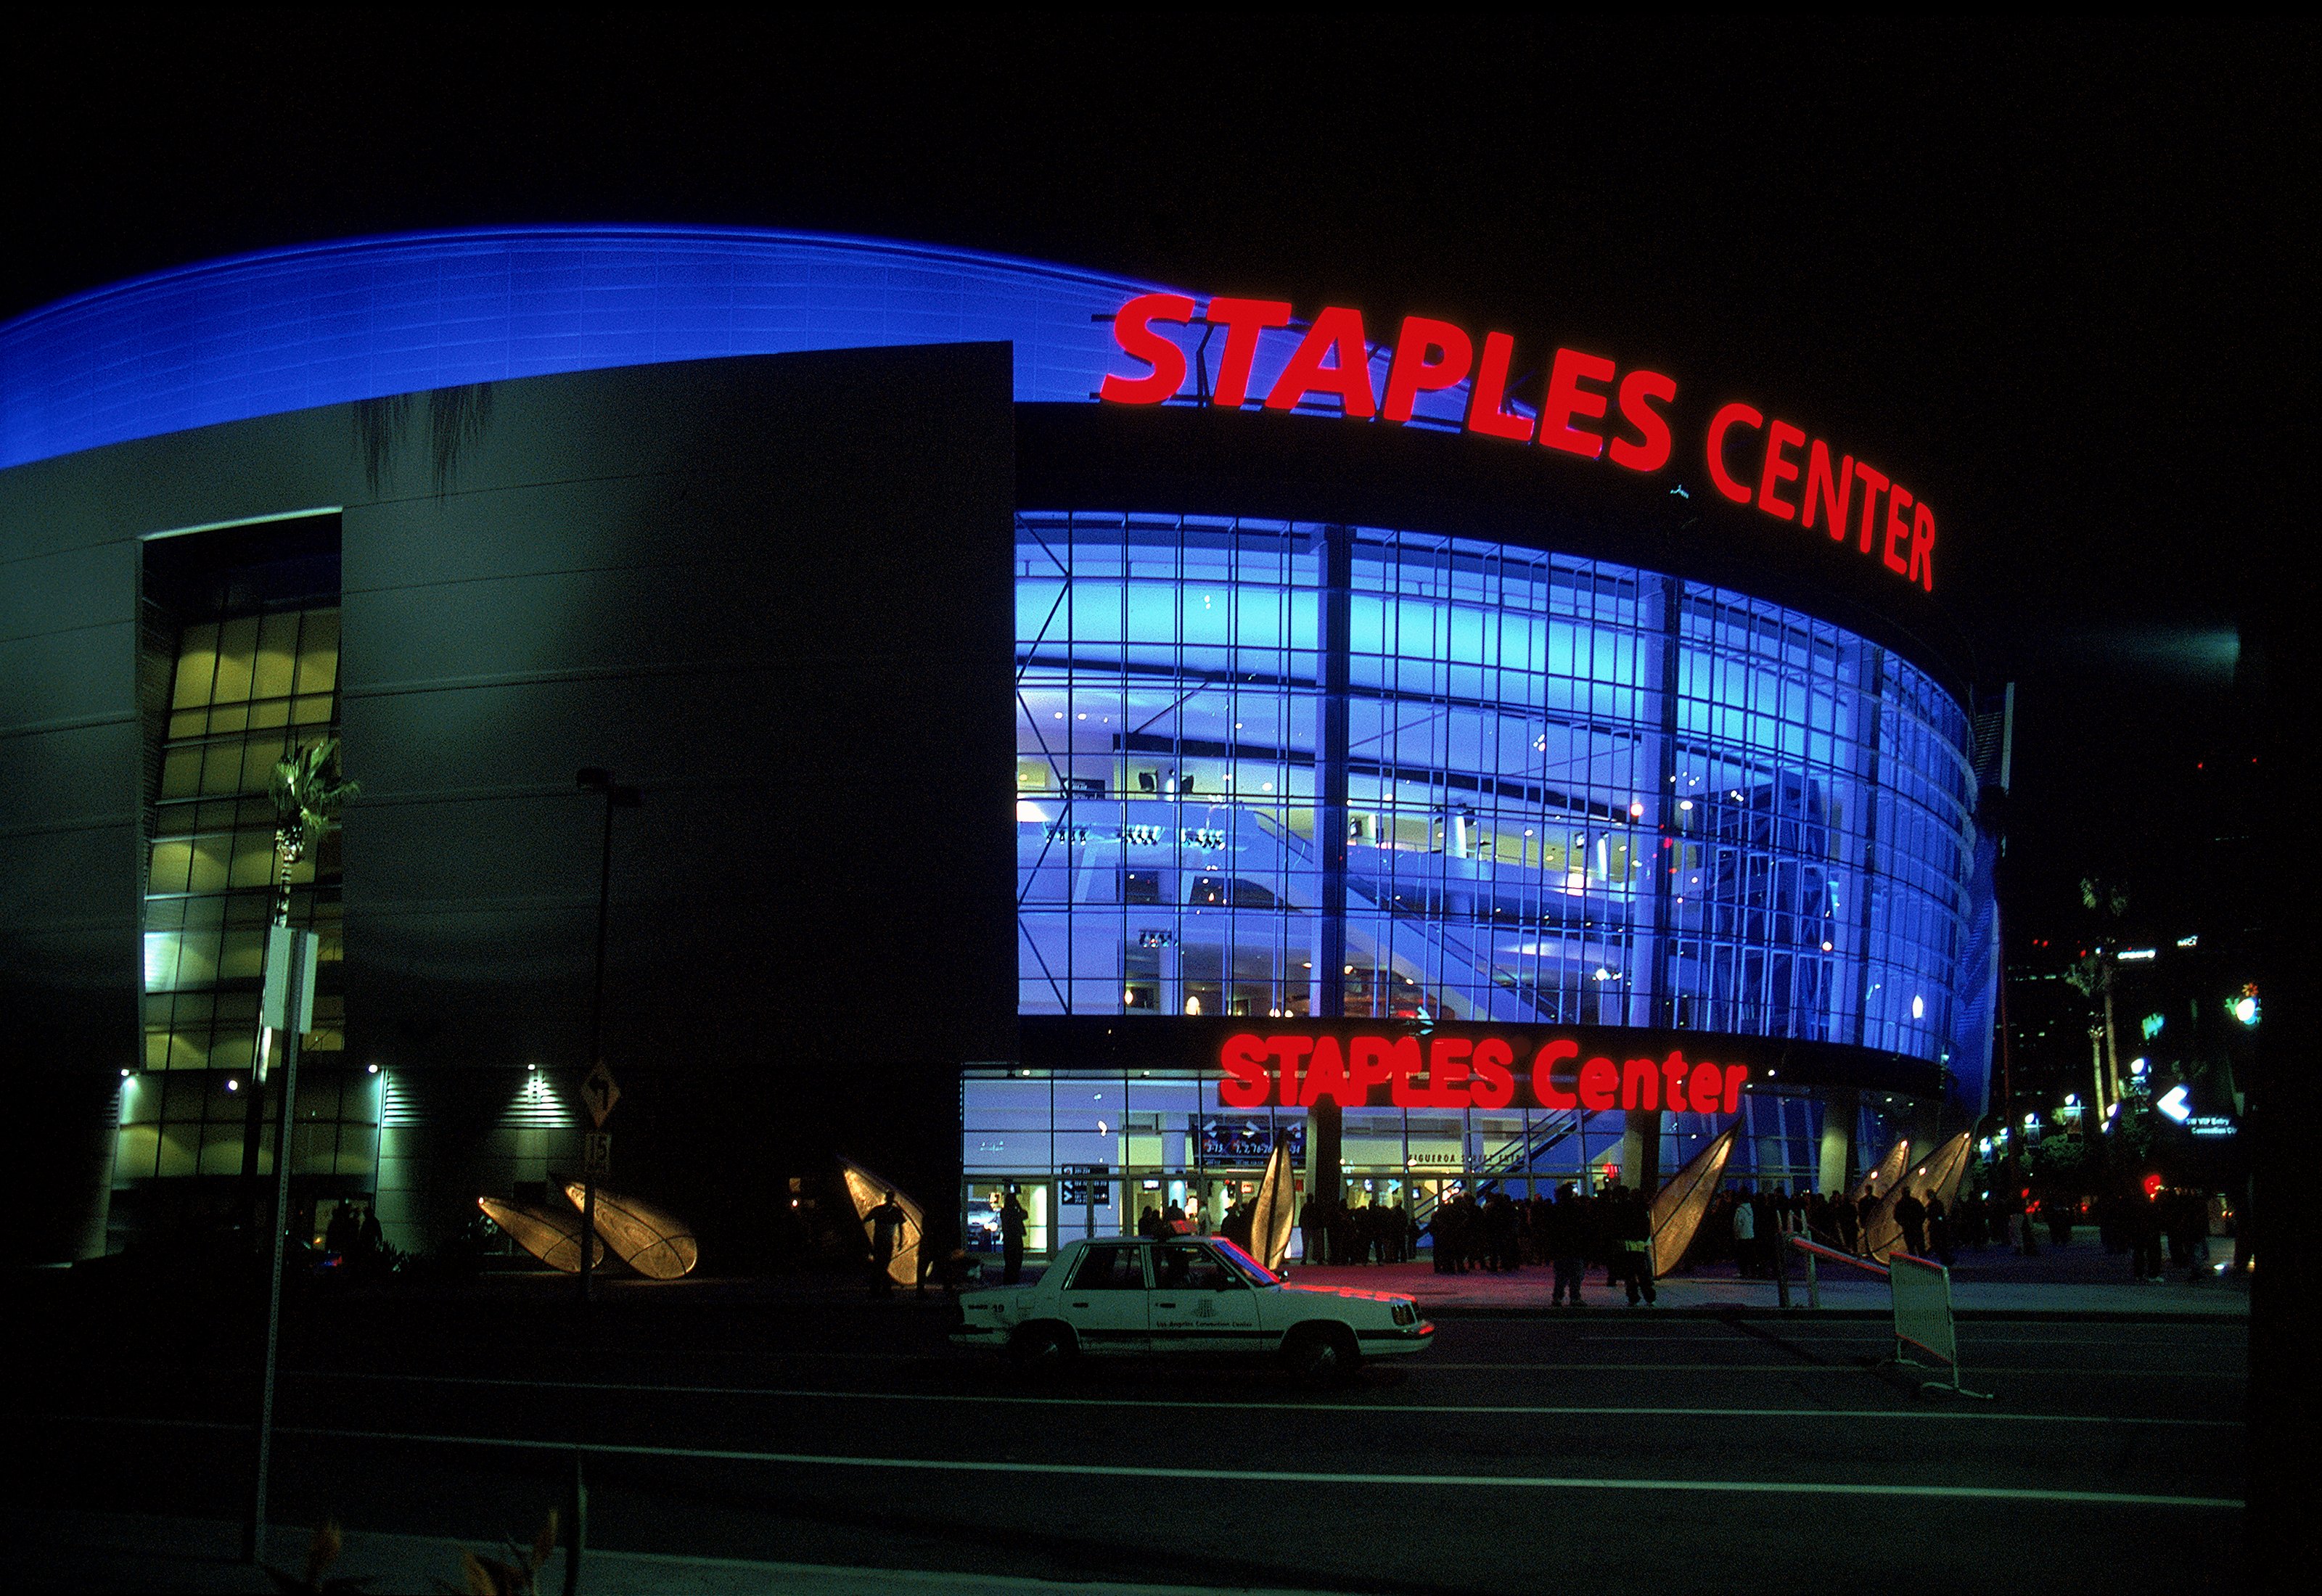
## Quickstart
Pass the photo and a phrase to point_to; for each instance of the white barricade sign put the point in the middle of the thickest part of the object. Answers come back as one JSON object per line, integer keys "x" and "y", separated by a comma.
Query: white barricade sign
{"x": 1922, "y": 1292}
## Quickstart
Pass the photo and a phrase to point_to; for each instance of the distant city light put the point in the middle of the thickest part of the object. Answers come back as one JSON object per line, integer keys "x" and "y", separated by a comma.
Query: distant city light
{"x": 2245, "y": 1009}
{"x": 2127, "y": 953}
{"x": 2137, "y": 1066}
{"x": 2189, "y": 942}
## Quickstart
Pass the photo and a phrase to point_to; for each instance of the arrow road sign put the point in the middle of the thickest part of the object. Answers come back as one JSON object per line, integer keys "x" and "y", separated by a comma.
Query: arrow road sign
{"x": 599, "y": 1093}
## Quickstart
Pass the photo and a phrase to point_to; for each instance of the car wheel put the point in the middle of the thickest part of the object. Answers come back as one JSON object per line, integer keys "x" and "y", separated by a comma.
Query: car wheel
{"x": 1323, "y": 1355}
{"x": 1039, "y": 1348}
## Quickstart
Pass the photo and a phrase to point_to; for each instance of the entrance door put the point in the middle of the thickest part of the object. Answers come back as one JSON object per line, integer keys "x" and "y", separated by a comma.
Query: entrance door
{"x": 1105, "y": 1298}
{"x": 1199, "y": 1304}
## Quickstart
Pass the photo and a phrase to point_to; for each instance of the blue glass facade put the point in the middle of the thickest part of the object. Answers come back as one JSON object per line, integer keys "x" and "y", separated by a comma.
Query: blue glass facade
{"x": 1570, "y": 791}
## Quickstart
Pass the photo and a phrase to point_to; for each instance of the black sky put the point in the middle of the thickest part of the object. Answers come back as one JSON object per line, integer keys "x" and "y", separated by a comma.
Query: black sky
{"x": 2059, "y": 270}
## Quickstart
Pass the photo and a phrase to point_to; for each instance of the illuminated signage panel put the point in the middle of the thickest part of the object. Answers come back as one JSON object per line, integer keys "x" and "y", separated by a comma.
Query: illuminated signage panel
{"x": 1300, "y": 1069}
{"x": 1591, "y": 408}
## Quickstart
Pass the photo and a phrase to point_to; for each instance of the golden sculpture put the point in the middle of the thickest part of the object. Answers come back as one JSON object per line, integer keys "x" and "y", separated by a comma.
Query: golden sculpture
{"x": 1269, "y": 1217}
{"x": 1677, "y": 1206}
{"x": 549, "y": 1235}
{"x": 1938, "y": 1172}
{"x": 646, "y": 1239}
{"x": 865, "y": 1190}
{"x": 1881, "y": 1176}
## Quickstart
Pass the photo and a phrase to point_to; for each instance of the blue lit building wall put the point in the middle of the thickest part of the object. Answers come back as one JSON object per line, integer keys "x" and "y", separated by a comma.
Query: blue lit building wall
{"x": 1576, "y": 792}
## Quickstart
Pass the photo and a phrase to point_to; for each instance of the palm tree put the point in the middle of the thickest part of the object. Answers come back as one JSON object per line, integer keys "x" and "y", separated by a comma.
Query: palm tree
{"x": 309, "y": 793}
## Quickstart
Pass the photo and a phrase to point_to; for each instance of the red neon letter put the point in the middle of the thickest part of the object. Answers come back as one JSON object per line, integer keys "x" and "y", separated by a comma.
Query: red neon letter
{"x": 1413, "y": 374}
{"x": 1673, "y": 1082}
{"x": 1566, "y": 398}
{"x": 1922, "y": 546}
{"x": 1732, "y": 415}
{"x": 1446, "y": 1073}
{"x": 1243, "y": 320}
{"x": 1704, "y": 1088}
{"x": 1639, "y": 389}
{"x": 1898, "y": 531}
{"x": 1828, "y": 492}
{"x": 1287, "y": 1051}
{"x": 1369, "y": 1064}
{"x": 1486, "y": 412}
{"x": 1326, "y": 1076}
{"x": 1132, "y": 330}
{"x": 1872, "y": 483}
{"x": 1641, "y": 1085}
{"x": 1247, "y": 1085}
{"x": 1598, "y": 1081}
{"x": 1403, "y": 1063}
{"x": 1337, "y": 332}
{"x": 1495, "y": 1083}
{"x": 1544, "y": 1088}
{"x": 1779, "y": 437}
{"x": 1735, "y": 1074}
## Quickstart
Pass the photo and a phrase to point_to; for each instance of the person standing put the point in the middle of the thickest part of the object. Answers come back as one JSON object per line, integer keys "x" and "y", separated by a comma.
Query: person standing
{"x": 1566, "y": 1244}
{"x": 1635, "y": 1220}
{"x": 1865, "y": 1211}
{"x": 1745, "y": 1238}
{"x": 1939, "y": 1228}
{"x": 1012, "y": 1241}
{"x": 886, "y": 1222}
{"x": 1911, "y": 1213}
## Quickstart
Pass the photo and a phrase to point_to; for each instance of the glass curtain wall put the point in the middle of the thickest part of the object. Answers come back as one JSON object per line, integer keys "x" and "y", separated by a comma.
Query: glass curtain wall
{"x": 243, "y": 691}
{"x": 1570, "y": 791}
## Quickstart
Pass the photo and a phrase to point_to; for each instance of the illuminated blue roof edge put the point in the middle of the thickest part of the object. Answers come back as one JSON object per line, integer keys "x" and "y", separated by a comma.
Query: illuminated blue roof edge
{"x": 327, "y": 324}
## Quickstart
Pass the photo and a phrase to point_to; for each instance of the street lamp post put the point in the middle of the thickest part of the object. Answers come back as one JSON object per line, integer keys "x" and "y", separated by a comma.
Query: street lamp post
{"x": 617, "y": 796}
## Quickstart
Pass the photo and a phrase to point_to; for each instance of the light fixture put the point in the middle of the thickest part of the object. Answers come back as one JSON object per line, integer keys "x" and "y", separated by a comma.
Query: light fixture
{"x": 231, "y": 1084}
{"x": 1918, "y": 1007}
{"x": 125, "y": 1074}
{"x": 372, "y": 1070}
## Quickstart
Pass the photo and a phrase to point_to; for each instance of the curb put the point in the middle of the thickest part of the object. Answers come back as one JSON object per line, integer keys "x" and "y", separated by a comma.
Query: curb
{"x": 2094, "y": 1315}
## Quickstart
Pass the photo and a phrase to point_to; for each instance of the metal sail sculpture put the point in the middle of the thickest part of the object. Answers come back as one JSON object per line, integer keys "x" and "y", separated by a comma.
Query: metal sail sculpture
{"x": 642, "y": 1237}
{"x": 866, "y": 1190}
{"x": 1677, "y": 1206}
{"x": 1270, "y": 1216}
{"x": 1881, "y": 1176}
{"x": 548, "y": 1234}
{"x": 1939, "y": 1173}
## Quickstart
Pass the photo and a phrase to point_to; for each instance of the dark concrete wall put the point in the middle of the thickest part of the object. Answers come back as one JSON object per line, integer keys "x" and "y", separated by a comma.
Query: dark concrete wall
{"x": 774, "y": 593}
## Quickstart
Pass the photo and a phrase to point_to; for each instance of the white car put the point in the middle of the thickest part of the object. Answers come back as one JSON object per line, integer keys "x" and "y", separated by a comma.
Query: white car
{"x": 1186, "y": 1294}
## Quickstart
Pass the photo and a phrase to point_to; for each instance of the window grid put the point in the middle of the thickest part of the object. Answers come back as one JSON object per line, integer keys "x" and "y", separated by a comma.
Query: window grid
{"x": 1576, "y": 792}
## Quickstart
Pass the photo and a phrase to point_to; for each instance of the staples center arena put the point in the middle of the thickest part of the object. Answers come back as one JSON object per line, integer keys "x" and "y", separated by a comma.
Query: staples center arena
{"x": 1160, "y": 723}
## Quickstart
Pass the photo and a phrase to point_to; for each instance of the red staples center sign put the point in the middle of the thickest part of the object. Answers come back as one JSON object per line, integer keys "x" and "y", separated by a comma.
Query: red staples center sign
{"x": 1299, "y": 1070}
{"x": 1591, "y": 408}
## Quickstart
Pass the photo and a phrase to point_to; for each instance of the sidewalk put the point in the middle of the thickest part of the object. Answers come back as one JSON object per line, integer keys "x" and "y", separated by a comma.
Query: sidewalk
{"x": 52, "y": 1551}
{"x": 2077, "y": 1281}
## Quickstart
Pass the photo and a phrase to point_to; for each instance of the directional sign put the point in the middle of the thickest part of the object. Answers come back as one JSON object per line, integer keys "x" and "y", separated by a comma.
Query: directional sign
{"x": 599, "y": 1093}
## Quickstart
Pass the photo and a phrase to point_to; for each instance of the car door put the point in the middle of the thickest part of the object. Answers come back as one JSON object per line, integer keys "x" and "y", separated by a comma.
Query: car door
{"x": 1200, "y": 1303}
{"x": 1105, "y": 1300}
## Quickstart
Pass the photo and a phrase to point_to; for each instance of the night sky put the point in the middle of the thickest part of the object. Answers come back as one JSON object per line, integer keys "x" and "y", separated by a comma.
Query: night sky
{"x": 2054, "y": 273}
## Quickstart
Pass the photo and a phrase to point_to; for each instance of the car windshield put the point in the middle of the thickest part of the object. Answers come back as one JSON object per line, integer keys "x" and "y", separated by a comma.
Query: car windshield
{"x": 1258, "y": 1273}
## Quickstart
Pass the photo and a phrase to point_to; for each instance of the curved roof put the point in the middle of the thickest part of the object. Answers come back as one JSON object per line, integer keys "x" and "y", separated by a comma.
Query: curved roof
{"x": 327, "y": 324}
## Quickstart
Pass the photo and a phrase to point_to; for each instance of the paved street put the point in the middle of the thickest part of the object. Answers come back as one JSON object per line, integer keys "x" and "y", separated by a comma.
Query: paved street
{"x": 1624, "y": 1451}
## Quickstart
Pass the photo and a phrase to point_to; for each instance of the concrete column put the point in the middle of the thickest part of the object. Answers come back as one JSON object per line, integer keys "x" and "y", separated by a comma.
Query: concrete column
{"x": 1640, "y": 1150}
{"x": 1842, "y": 1108}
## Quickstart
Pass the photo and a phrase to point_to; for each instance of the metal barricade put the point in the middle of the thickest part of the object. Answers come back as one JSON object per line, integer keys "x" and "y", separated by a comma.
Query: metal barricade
{"x": 1919, "y": 1293}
